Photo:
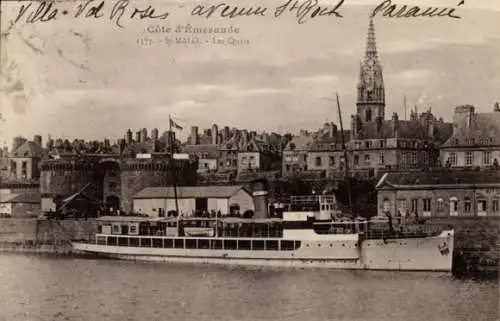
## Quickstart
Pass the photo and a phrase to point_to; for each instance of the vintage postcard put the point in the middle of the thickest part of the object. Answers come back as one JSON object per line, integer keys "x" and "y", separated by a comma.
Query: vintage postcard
{"x": 249, "y": 160}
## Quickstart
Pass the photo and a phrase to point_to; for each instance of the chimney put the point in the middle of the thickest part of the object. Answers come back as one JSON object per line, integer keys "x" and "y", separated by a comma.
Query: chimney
{"x": 50, "y": 144}
{"x": 128, "y": 136}
{"x": 106, "y": 143}
{"x": 378, "y": 121}
{"x": 18, "y": 141}
{"x": 121, "y": 145}
{"x": 144, "y": 135}
{"x": 463, "y": 117}
{"x": 194, "y": 135}
{"x": 244, "y": 135}
{"x": 496, "y": 107}
{"x": 215, "y": 134}
{"x": 227, "y": 134}
{"x": 395, "y": 124}
{"x": 266, "y": 139}
{"x": 38, "y": 140}
{"x": 432, "y": 129}
{"x": 332, "y": 130}
{"x": 304, "y": 133}
{"x": 154, "y": 134}
{"x": 138, "y": 136}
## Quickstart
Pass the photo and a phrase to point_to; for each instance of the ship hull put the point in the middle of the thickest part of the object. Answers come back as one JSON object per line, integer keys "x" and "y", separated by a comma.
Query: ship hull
{"x": 407, "y": 254}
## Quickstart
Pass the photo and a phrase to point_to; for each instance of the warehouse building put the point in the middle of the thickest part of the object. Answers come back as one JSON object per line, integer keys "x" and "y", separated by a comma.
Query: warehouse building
{"x": 225, "y": 200}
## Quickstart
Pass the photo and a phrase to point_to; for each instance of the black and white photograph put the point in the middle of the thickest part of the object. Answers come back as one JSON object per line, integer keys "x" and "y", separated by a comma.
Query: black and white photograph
{"x": 265, "y": 160}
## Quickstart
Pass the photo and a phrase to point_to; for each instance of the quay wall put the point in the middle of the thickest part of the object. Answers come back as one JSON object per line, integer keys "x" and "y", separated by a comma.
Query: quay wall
{"x": 477, "y": 244}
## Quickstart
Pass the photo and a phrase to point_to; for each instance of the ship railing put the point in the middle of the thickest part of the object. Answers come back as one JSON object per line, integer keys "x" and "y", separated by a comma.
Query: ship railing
{"x": 404, "y": 231}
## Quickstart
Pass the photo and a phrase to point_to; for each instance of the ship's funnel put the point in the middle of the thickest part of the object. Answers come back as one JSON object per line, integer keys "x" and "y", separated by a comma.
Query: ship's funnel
{"x": 260, "y": 200}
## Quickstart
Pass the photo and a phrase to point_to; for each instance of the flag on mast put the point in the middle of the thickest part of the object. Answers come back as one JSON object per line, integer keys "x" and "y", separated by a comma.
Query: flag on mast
{"x": 173, "y": 124}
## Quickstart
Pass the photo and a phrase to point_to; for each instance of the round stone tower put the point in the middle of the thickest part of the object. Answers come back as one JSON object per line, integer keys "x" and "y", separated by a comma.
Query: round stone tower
{"x": 65, "y": 177}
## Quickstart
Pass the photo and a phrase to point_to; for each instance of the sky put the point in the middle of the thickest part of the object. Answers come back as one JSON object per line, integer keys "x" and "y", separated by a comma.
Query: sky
{"x": 77, "y": 78}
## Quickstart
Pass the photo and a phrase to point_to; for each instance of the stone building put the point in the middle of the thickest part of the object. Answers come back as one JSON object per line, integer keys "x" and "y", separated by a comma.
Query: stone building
{"x": 378, "y": 144}
{"x": 475, "y": 141}
{"x": 231, "y": 151}
{"x": 326, "y": 155}
{"x": 25, "y": 158}
{"x": 254, "y": 155}
{"x": 295, "y": 154}
{"x": 439, "y": 193}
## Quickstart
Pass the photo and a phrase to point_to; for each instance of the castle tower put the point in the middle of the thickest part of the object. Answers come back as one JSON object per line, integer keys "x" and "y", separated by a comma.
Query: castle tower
{"x": 371, "y": 93}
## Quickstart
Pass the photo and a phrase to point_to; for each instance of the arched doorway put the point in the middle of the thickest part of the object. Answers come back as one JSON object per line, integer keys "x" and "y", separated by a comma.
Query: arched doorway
{"x": 112, "y": 203}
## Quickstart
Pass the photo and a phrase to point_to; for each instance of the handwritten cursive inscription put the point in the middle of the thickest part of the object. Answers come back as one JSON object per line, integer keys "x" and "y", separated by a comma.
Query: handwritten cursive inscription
{"x": 308, "y": 9}
{"x": 90, "y": 9}
{"x": 42, "y": 13}
{"x": 387, "y": 9}
{"x": 227, "y": 11}
{"x": 46, "y": 11}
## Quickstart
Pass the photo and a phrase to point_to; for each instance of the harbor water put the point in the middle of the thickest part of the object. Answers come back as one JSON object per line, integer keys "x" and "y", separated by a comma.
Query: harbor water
{"x": 63, "y": 288}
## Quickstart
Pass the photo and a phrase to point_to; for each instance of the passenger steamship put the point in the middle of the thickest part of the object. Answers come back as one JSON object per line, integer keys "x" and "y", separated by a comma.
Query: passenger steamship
{"x": 310, "y": 232}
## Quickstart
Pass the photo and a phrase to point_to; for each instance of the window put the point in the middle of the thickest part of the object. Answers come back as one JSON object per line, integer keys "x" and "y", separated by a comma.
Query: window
{"x": 469, "y": 158}
{"x": 467, "y": 205}
{"x": 386, "y": 205}
{"x": 368, "y": 144}
{"x": 440, "y": 206}
{"x": 402, "y": 207}
{"x": 453, "y": 206}
{"x": 414, "y": 158}
{"x": 494, "y": 206}
{"x": 427, "y": 204}
{"x": 356, "y": 159}
{"x": 453, "y": 159}
{"x": 486, "y": 158}
{"x": 414, "y": 205}
{"x": 24, "y": 169}
{"x": 367, "y": 159}
{"x": 318, "y": 161}
{"x": 381, "y": 159}
{"x": 481, "y": 207}
{"x": 112, "y": 186}
{"x": 332, "y": 160}
{"x": 382, "y": 143}
{"x": 358, "y": 145}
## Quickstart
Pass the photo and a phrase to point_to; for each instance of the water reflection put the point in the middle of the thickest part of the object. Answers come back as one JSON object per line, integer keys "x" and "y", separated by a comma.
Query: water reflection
{"x": 45, "y": 288}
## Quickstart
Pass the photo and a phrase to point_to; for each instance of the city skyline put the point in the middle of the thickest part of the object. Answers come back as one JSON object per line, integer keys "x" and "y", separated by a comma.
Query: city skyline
{"x": 104, "y": 90}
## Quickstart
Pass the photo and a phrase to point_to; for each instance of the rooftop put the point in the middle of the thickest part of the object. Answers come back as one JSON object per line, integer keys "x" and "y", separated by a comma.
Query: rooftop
{"x": 441, "y": 177}
{"x": 223, "y": 191}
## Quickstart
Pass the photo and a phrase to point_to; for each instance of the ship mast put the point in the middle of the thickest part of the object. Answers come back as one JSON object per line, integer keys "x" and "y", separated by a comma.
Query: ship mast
{"x": 347, "y": 178}
{"x": 172, "y": 164}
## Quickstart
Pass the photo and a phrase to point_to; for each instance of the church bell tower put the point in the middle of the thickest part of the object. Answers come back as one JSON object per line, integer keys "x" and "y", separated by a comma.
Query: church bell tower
{"x": 371, "y": 93}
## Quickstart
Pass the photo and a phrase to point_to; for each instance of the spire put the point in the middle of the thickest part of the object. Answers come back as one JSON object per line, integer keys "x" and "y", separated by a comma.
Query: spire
{"x": 371, "y": 46}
